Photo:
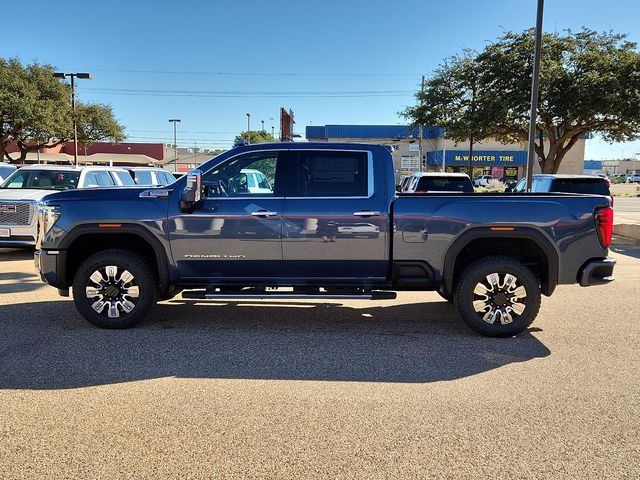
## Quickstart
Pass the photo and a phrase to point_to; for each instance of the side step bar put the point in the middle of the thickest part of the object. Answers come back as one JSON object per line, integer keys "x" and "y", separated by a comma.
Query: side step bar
{"x": 207, "y": 295}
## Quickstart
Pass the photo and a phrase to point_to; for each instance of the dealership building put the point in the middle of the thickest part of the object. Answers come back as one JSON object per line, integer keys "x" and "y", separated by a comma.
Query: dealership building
{"x": 508, "y": 161}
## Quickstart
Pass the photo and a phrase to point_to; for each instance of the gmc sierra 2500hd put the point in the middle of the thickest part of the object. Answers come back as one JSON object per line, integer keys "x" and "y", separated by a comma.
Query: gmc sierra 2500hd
{"x": 320, "y": 220}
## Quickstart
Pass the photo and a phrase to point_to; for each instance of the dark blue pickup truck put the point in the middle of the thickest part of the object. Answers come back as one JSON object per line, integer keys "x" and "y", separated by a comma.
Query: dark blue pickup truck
{"x": 314, "y": 221}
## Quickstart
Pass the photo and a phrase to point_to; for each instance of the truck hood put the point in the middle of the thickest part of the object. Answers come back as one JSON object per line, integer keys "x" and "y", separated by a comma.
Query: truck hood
{"x": 23, "y": 194}
{"x": 99, "y": 194}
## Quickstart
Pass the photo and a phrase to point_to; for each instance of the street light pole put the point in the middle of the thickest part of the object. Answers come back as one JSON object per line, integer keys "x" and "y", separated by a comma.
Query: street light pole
{"x": 534, "y": 95}
{"x": 262, "y": 121}
{"x": 175, "y": 143}
{"x": 248, "y": 122}
{"x": 273, "y": 129}
{"x": 73, "y": 76}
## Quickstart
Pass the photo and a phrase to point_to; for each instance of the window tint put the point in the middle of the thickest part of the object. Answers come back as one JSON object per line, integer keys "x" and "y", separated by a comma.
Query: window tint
{"x": 90, "y": 179}
{"x": 104, "y": 179}
{"x": 42, "y": 179}
{"x": 167, "y": 178}
{"x": 520, "y": 186}
{"x": 124, "y": 178}
{"x": 230, "y": 179}
{"x": 143, "y": 177}
{"x": 443, "y": 184}
{"x": 593, "y": 186}
{"x": 332, "y": 174}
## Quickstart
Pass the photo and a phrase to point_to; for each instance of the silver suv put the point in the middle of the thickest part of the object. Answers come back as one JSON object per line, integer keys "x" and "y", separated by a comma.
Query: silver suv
{"x": 21, "y": 191}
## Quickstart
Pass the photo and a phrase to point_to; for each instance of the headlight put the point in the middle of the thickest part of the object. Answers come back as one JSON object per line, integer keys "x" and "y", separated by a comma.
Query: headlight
{"x": 47, "y": 216}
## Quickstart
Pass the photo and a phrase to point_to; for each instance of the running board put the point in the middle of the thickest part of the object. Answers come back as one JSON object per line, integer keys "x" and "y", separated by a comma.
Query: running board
{"x": 204, "y": 295}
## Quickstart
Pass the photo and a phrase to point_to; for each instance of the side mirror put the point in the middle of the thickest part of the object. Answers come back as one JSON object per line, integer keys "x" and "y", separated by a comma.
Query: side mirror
{"x": 192, "y": 192}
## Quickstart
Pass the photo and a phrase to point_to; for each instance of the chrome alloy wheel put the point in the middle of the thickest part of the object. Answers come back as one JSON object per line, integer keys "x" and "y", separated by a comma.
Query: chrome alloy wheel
{"x": 116, "y": 292}
{"x": 497, "y": 297}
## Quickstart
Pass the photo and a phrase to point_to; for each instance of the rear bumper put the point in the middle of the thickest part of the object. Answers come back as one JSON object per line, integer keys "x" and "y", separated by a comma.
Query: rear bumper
{"x": 597, "y": 272}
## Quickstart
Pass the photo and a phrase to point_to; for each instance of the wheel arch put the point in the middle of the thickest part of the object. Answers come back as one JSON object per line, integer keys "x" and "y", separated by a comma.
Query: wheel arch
{"x": 483, "y": 241}
{"x": 92, "y": 238}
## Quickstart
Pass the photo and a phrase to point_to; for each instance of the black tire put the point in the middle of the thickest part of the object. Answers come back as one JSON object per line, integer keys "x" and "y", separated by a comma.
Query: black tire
{"x": 446, "y": 296}
{"x": 107, "y": 290}
{"x": 501, "y": 301}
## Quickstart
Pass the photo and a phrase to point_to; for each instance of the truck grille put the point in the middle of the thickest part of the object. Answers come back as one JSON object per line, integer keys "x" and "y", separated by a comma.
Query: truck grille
{"x": 16, "y": 213}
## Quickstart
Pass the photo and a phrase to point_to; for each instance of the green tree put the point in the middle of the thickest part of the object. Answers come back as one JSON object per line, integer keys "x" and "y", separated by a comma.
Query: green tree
{"x": 256, "y": 136}
{"x": 34, "y": 107}
{"x": 265, "y": 166}
{"x": 96, "y": 123}
{"x": 35, "y": 111}
{"x": 450, "y": 99}
{"x": 589, "y": 84}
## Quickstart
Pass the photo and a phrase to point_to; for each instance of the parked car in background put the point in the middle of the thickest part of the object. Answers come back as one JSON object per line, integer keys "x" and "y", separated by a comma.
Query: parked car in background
{"x": 151, "y": 177}
{"x": 24, "y": 188}
{"x": 6, "y": 169}
{"x": 558, "y": 183}
{"x": 482, "y": 180}
{"x": 424, "y": 182}
{"x": 633, "y": 178}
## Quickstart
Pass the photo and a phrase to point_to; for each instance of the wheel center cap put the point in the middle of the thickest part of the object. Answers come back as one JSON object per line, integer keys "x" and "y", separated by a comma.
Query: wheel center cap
{"x": 112, "y": 291}
{"x": 501, "y": 299}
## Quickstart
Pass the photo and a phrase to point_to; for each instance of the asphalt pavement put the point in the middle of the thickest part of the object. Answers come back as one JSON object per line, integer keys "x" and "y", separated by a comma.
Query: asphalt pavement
{"x": 301, "y": 389}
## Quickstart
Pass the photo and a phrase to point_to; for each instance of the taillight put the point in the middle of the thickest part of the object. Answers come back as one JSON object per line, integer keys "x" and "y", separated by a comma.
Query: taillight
{"x": 604, "y": 220}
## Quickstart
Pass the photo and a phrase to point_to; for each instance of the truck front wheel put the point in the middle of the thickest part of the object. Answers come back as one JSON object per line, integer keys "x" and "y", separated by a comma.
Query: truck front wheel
{"x": 114, "y": 289}
{"x": 497, "y": 296}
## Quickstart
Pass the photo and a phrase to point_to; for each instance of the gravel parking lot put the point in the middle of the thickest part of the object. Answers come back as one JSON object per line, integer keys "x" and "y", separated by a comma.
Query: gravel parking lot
{"x": 334, "y": 390}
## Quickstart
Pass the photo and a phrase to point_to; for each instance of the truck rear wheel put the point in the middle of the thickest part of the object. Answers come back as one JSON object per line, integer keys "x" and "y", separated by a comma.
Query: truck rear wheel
{"x": 114, "y": 289}
{"x": 497, "y": 296}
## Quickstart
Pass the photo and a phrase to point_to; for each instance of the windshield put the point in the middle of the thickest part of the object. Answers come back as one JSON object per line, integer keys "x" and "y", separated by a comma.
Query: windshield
{"x": 48, "y": 179}
{"x": 444, "y": 184}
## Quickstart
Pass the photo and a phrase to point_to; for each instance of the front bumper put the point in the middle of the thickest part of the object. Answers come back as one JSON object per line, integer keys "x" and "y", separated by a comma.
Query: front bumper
{"x": 50, "y": 265}
{"x": 597, "y": 272}
{"x": 21, "y": 236}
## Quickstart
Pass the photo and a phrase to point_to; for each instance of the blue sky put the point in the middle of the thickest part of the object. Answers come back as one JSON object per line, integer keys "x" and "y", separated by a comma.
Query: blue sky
{"x": 154, "y": 60}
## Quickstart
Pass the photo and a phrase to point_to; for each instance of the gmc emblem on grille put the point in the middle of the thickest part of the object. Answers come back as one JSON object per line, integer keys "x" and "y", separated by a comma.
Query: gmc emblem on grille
{"x": 7, "y": 208}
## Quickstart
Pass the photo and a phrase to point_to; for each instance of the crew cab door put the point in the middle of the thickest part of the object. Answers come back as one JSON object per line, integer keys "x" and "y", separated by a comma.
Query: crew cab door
{"x": 335, "y": 222}
{"x": 233, "y": 233}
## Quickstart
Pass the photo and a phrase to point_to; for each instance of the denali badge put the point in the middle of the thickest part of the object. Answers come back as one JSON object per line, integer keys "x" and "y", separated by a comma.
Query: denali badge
{"x": 8, "y": 209}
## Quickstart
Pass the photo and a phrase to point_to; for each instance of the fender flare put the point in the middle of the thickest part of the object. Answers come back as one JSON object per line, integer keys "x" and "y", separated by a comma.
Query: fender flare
{"x": 162, "y": 263}
{"x": 527, "y": 233}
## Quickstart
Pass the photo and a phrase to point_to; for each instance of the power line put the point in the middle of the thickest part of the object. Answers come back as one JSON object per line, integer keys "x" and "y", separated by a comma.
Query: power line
{"x": 245, "y": 94}
{"x": 260, "y": 74}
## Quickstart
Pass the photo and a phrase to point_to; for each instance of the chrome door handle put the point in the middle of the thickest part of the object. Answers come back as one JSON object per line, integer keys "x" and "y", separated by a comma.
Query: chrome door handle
{"x": 367, "y": 213}
{"x": 264, "y": 213}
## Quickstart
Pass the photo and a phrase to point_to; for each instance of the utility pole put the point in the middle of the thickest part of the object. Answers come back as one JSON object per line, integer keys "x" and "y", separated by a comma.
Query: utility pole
{"x": 534, "y": 95}
{"x": 420, "y": 132}
{"x": 175, "y": 143}
{"x": 473, "y": 114}
{"x": 262, "y": 122}
{"x": 73, "y": 76}
{"x": 248, "y": 122}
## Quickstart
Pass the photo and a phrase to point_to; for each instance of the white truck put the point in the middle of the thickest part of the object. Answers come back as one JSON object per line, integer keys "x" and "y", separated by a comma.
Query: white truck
{"x": 21, "y": 191}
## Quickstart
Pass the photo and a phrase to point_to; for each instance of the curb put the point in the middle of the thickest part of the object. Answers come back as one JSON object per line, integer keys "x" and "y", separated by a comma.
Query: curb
{"x": 627, "y": 230}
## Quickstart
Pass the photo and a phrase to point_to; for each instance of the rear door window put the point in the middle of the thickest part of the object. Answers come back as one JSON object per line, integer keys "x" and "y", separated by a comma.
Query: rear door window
{"x": 124, "y": 178}
{"x": 143, "y": 177}
{"x": 332, "y": 174}
{"x": 104, "y": 179}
